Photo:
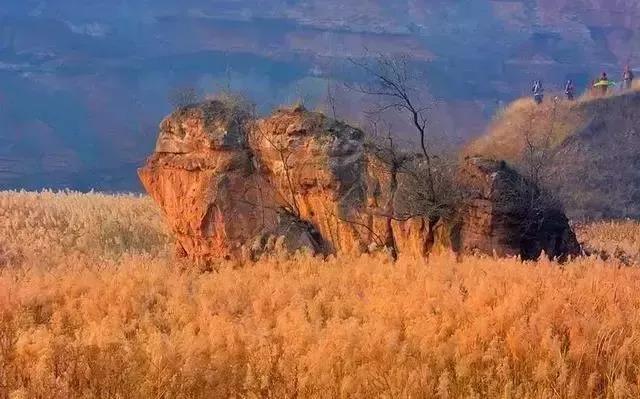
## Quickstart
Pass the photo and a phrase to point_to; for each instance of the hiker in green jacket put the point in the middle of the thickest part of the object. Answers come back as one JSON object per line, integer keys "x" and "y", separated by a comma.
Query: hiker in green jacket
{"x": 603, "y": 84}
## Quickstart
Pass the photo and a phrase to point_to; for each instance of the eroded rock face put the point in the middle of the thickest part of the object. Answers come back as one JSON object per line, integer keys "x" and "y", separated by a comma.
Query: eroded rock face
{"x": 199, "y": 175}
{"x": 314, "y": 166}
{"x": 507, "y": 215}
{"x": 232, "y": 187}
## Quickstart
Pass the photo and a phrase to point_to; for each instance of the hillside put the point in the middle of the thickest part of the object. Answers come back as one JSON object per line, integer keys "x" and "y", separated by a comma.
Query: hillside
{"x": 92, "y": 306}
{"x": 588, "y": 151}
{"x": 82, "y": 86}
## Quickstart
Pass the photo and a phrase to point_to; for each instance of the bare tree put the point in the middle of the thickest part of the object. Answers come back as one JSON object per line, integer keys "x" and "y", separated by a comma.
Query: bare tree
{"x": 184, "y": 96}
{"x": 331, "y": 98}
{"x": 288, "y": 194}
{"x": 528, "y": 195}
{"x": 396, "y": 85}
{"x": 407, "y": 194}
{"x": 538, "y": 149}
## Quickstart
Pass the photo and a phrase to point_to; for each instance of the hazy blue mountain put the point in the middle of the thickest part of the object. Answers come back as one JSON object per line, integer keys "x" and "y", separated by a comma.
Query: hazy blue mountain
{"x": 83, "y": 84}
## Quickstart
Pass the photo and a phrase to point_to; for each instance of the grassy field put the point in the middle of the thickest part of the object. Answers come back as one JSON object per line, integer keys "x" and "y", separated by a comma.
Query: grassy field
{"x": 92, "y": 305}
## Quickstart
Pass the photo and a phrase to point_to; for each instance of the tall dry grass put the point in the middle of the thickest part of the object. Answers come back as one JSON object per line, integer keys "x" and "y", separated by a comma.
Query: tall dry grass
{"x": 619, "y": 239}
{"x": 51, "y": 228}
{"x": 135, "y": 326}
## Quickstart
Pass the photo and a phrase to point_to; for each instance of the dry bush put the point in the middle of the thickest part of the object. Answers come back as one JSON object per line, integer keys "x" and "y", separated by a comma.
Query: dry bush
{"x": 137, "y": 327}
{"x": 184, "y": 96}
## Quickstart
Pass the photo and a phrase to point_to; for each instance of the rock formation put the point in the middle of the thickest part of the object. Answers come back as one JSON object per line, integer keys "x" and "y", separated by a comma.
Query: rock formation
{"x": 505, "y": 214}
{"x": 233, "y": 187}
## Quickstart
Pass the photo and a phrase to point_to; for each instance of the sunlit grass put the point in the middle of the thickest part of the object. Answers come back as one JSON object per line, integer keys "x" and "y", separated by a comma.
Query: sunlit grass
{"x": 93, "y": 311}
{"x": 48, "y": 228}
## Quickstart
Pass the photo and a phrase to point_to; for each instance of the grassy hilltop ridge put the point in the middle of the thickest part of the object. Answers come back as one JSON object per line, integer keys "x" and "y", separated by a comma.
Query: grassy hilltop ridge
{"x": 588, "y": 151}
{"x": 549, "y": 124}
{"x": 93, "y": 305}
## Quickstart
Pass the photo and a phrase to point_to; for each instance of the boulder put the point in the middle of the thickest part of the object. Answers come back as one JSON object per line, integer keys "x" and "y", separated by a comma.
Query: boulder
{"x": 506, "y": 215}
{"x": 315, "y": 167}
{"x": 234, "y": 187}
{"x": 202, "y": 176}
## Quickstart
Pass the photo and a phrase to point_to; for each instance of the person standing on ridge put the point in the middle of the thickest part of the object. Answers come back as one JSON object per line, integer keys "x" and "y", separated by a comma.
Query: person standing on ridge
{"x": 538, "y": 92}
{"x": 627, "y": 77}
{"x": 570, "y": 90}
{"x": 603, "y": 84}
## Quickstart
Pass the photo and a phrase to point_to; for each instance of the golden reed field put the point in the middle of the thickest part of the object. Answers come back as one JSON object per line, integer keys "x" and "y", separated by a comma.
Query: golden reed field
{"x": 93, "y": 306}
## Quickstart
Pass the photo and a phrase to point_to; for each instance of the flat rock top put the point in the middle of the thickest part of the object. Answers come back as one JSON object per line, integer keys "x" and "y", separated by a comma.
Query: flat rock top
{"x": 211, "y": 125}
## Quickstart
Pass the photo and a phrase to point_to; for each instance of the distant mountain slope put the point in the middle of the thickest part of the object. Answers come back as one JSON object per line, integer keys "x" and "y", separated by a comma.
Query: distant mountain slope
{"x": 590, "y": 150}
{"x": 84, "y": 84}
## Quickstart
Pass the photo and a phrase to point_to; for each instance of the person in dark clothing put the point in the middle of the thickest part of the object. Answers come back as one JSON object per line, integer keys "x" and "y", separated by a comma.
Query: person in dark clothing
{"x": 627, "y": 77}
{"x": 538, "y": 92}
{"x": 570, "y": 90}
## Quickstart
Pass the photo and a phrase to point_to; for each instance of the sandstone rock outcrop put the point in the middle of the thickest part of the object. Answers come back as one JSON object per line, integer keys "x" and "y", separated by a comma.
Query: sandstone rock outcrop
{"x": 233, "y": 187}
{"x": 505, "y": 214}
{"x": 199, "y": 176}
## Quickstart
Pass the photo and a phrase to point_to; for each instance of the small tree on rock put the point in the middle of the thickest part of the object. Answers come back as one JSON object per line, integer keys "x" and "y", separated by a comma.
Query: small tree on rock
{"x": 180, "y": 97}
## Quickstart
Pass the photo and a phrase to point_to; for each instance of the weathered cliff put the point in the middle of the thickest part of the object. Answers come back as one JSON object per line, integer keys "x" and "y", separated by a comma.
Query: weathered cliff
{"x": 232, "y": 187}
